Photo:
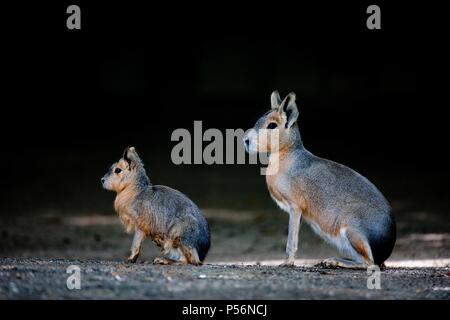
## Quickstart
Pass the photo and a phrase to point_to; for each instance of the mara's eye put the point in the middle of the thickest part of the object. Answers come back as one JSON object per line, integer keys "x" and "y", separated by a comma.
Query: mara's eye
{"x": 117, "y": 170}
{"x": 272, "y": 125}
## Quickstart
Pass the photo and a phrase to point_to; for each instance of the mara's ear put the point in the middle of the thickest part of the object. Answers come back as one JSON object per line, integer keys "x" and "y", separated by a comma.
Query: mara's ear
{"x": 275, "y": 100}
{"x": 289, "y": 108}
{"x": 125, "y": 155}
{"x": 130, "y": 155}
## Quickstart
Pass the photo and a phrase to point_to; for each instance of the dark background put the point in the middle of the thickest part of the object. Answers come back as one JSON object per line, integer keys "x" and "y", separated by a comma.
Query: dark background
{"x": 73, "y": 99}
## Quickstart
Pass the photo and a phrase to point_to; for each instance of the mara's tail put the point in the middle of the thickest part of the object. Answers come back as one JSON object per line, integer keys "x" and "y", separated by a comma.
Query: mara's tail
{"x": 382, "y": 245}
{"x": 203, "y": 242}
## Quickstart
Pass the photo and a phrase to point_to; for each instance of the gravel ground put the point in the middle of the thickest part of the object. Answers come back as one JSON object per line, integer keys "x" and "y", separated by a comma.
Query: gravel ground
{"x": 46, "y": 279}
{"x": 38, "y": 244}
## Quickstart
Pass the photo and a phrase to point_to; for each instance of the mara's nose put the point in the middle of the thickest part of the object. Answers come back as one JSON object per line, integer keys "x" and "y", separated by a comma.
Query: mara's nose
{"x": 102, "y": 180}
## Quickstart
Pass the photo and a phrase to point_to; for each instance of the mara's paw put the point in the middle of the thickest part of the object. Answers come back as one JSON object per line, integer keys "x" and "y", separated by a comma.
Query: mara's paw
{"x": 330, "y": 263}
{"x": 288, "y": 263}
{"x": 132, "y": 259}
{"x": 163, "y": 261}
{"x": 334, "y": 263}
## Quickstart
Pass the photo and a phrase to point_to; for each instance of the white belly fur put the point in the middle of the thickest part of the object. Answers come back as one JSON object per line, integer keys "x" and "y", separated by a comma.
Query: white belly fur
{"x": 282, "y": 206}
{"x": 340, "y": 241}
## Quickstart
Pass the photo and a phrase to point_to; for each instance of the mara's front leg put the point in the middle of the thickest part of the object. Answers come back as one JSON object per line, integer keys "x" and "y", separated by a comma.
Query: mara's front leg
{"x": 139, "y": 236}
{"x": 295, "y": 218}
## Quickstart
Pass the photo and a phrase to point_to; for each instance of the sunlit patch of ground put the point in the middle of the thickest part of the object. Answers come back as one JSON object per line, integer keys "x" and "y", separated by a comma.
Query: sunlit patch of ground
{"x": 419, "y": 263}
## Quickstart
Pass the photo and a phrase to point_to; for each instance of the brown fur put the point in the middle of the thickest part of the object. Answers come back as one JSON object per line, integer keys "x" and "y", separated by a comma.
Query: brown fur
{"x": 122, "y": 204}
{"x": 191, "y": 255}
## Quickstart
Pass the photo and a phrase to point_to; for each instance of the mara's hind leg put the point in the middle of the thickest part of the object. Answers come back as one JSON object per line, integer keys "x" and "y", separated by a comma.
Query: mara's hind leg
{"x": 191, "y": 255}
{"x": 180, "y": 255}
{"x": 356, "y": 245}
{"x": 170, "y": 255}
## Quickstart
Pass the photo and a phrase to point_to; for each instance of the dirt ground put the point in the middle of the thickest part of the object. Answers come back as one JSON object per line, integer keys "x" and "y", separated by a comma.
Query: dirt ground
{"x": 46, "y": 279}
{"x": 243, "y": 262}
